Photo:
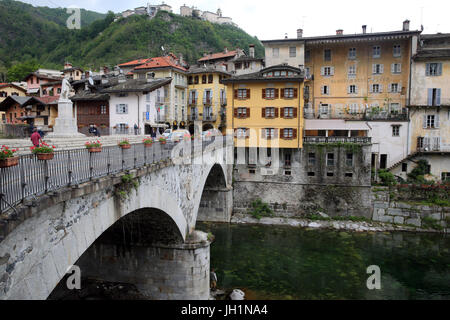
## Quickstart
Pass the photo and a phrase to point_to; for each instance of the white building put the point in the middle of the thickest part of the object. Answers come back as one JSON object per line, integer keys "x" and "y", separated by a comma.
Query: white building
{"x": 137, "y": 102}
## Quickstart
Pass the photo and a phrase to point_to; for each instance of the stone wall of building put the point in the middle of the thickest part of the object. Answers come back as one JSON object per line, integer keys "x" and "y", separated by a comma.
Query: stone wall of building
{"x": 388, "y": 208}
{"x": 306, "y": 184}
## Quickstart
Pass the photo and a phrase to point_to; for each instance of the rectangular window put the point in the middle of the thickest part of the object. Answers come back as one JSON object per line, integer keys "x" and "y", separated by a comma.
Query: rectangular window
{"x": 397, "y": 51}
{"x": 376, "y": 88}
{"x": 287, "y": 159}
{"x": 396, "y": 131}
{"x": 394, "y": 88}
{"x": 270, "y": 112}
{"x": 242, "y": 112}
{"x": 396, "y": 68}
{"x": 292, "y": 52}
{"x": 327, "y": 55}
{"x": 325, "y": 90}
{"x": 327, "y": 71}
{"x": 330, "y": 174}
{"x": 430, "y": 121}
{"x": 330, "y": 159}
{"x": 103, "y": 110}
{"x": 349, "y": 175}
{"x": 269, "y": 133}
{"x": 270, "y": 93}
{"x": 445, "y": 176}
{"x": 288, "y": 112}
{"x": 275, "y": 52}
{"x": 289, "y": 93}
{"x": 433, "y": 69}
{"x": 349, "y": 160}
{"x": 288, "y": 133}
{"x": 404, "y": 167}
{"x": 242, "y": 93}
{"x": 352, "y": 70}
{"x": 352, "y": 53}
{"x": 122, "y": 109}
{"x": 210, "y": 78}
{"x": 311, "y": 159}
{"x": 376, "y": 52}
{"x": 352, "y": 89}
{"x": 434, "y": 97}
{"x": 377, "y": 68}
{"x": 241, "y": 133}
{"x": 311, "y": 174}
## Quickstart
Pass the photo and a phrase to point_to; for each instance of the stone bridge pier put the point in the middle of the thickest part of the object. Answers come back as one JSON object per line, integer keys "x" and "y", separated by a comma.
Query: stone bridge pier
{"x": 135, "y": 227}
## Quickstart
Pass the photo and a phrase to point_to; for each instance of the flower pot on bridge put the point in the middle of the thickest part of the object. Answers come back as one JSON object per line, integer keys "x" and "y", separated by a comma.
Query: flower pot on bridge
{"x": 45, "y": 156}
{"x": 9, "y": 162}
{"x": 95, "y": 150}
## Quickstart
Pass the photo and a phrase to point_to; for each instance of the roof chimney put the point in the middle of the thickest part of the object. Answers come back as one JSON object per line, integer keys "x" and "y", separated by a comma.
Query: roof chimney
{"x": 406, "y": 25}
{"x": 339, "y": 32}
{"x": 364, "y": 29}
{"x": 299, "y": 33}
{"x": 251, "y": 50}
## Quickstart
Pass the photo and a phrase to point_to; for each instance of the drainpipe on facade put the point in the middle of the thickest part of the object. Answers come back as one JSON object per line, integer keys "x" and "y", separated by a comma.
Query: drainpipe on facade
{"x": 139, "y": 118}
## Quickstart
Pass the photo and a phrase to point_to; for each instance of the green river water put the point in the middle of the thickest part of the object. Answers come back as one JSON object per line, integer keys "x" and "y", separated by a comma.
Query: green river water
{"x": 272, "y": 262}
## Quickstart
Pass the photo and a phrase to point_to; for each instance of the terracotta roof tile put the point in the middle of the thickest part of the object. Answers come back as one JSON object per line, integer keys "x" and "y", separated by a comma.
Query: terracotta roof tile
{"x": 160, "y": 62}
{"x": 134, "y": 62}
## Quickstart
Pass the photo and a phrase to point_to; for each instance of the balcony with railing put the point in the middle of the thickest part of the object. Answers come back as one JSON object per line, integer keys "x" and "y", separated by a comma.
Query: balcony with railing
{"x": 358, "y": 140}
{"x": 366, "y": 114}
{"x": 431, "y": 144}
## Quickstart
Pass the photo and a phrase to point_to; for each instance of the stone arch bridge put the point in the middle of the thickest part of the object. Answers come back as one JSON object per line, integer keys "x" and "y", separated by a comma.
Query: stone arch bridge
{"x": 131, "y": 220}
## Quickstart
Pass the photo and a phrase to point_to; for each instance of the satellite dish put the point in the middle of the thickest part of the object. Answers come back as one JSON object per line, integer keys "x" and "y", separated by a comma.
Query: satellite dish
{"x": 91, "y": 82}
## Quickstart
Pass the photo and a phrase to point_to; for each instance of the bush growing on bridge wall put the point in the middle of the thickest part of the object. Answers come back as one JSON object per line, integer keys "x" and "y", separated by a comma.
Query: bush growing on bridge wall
{"x": 129, "y": 183}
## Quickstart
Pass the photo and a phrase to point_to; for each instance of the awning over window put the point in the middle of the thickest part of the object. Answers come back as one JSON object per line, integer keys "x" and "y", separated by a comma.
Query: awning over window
{"x": 335, "y": 124}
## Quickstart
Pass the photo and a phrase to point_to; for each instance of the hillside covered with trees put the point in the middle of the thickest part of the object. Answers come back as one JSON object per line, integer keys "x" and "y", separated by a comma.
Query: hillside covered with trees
{"x": 38, "y": 36}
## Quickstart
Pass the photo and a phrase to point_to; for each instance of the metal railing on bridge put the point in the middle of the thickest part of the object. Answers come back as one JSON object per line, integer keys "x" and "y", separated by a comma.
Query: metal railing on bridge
{"x": 33, "y": 177}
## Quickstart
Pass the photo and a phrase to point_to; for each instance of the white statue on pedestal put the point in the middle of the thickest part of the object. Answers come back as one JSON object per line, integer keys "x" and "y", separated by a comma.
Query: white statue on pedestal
{"x": 65, "y": 90}
{"x": 65, "y": 125}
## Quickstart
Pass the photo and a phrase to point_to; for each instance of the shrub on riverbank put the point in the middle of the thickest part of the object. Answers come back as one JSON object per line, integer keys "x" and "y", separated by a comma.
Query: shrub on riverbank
{"x": 260, "y": 209}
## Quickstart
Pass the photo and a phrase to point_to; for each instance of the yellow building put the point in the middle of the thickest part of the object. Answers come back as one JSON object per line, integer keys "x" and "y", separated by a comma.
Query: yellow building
{"x": 9, "y": 89}
{"x": 265, "y": 109}
{"x": 207, "y": 97}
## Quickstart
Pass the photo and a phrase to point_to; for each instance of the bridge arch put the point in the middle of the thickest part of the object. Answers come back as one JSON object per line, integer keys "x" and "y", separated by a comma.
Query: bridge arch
{"x": 214, "y": 201}
{"x": 42, "y": 249}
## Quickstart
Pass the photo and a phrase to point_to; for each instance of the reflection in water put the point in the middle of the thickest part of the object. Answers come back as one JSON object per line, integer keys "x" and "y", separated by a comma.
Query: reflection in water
{"x": 271, "y": 262}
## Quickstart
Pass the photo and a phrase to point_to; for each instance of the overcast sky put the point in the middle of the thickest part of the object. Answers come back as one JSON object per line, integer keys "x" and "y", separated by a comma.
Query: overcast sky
{"x": 268, "y": 19}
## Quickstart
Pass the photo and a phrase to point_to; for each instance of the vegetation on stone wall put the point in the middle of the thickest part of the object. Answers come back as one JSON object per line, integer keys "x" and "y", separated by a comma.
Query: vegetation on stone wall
{"x": 124, "y": 189}
{"x": 387, "y": 178}
{"x": 260, "y": 209}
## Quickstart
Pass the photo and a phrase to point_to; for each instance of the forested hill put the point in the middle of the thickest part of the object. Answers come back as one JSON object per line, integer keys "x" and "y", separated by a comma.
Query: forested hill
{"x": 39, "y": 35}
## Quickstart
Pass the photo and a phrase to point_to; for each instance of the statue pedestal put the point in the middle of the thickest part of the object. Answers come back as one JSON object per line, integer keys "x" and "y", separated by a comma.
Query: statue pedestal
{"x": 65, "y": 125}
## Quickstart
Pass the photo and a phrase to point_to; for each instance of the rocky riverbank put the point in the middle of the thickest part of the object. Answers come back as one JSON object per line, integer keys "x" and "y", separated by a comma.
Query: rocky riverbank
{"x": 356, "y": 226}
